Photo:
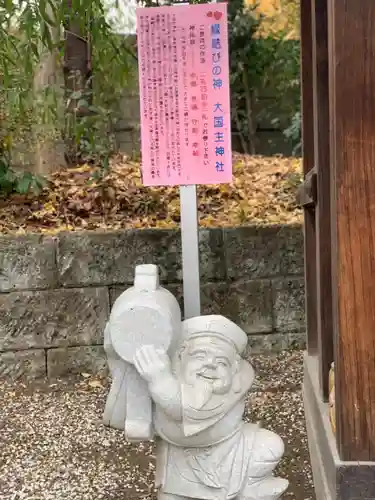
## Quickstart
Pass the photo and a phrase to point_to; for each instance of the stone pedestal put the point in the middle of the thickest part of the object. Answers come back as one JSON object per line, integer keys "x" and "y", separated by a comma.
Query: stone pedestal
{"x": 333, "y": 478}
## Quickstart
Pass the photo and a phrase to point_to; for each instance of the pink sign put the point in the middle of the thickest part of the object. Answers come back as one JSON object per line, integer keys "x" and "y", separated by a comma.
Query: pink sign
{"x": 184, "y": 90}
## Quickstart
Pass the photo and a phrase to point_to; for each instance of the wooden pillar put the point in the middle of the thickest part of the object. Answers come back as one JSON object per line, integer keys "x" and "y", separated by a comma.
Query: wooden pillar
{"x": 322, "y": 207}
{"x": 308, "y": 165}
{"x": 352, "y": 82}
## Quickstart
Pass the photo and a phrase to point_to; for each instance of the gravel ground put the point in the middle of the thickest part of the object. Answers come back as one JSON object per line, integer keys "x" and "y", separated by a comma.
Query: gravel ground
{"x": 54, "y": 447}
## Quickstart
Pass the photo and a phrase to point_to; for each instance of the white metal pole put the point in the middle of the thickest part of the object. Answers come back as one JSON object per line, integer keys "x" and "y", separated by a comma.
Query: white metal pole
{"x": 190, "y": 251}
{"x": 190, "y": 247}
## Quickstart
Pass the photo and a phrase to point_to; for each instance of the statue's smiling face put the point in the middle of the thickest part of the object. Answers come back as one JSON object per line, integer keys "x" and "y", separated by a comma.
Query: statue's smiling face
{"x": 211, "y": 360}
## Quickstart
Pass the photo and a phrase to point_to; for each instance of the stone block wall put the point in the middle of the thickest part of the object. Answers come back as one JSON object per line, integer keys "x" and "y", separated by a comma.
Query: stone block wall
{"x": 56, "y": 292}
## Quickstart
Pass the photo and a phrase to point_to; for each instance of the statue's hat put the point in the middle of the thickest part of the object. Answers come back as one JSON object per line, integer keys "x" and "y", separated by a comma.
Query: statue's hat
{"x": 215, "y": 326}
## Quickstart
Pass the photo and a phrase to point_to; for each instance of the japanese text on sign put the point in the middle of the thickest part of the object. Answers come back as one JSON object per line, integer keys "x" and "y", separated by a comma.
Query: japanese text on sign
{"x": 184, "y": 90}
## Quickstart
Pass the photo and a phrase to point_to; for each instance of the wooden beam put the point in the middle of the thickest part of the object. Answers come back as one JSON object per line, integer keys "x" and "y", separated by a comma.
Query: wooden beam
{"x": 322, "y": 165}
{"x": 307, "y": 86}
{"x": 308, "y": 164}
{"x": 352, "y": 81}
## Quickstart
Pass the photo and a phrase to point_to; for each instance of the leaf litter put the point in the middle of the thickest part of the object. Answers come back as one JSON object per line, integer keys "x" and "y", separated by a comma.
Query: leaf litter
{"x": 263, "y": 191}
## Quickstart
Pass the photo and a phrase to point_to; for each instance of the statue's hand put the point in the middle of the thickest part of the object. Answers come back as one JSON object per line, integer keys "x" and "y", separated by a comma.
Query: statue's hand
{"x": 151, "y": 363}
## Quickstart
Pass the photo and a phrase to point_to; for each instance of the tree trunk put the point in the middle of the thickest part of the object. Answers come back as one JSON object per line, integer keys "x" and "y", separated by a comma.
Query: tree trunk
{"x": 49, "y": 145}
{"x": 78, "y": 82}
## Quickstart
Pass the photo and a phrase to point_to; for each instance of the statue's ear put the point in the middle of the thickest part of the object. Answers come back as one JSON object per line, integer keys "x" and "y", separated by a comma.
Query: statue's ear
{"x": 176, "y": 360}
{"x": 181, "y": 350}
{"x": 236, "y": 385}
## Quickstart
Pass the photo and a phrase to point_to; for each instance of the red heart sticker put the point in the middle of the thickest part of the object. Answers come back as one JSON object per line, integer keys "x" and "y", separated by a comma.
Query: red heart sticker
{"x": 217, "y": 15}
{"x": 209, "y": 14}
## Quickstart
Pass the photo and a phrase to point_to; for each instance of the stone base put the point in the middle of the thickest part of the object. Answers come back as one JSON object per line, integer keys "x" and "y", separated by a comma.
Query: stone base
{"x": 333, "y": 478}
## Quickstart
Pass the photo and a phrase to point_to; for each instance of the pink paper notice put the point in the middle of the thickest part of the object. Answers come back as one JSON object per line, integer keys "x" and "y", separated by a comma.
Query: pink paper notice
{"x": 184, "y": 90}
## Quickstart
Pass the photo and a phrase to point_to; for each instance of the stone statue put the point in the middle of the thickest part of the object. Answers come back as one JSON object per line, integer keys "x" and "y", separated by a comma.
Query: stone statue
{"x": 198, "y": 388}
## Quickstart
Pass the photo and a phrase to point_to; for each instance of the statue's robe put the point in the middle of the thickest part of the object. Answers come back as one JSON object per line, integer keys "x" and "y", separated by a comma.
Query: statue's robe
{"x": 207, "y": 454}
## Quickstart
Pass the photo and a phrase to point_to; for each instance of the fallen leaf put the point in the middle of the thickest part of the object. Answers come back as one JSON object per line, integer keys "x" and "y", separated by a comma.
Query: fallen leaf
{"x": 95, "y": 384}
{"x": 263, "y": 191}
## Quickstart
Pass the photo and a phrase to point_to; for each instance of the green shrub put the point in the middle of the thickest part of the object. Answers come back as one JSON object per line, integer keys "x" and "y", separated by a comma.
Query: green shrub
{"x": 29, "y": 31}
{"x": 261, "y": 64}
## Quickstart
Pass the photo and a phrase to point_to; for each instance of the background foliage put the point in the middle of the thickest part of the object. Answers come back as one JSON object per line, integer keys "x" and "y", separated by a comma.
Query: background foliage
{"x": 261, "y": 60}
{"x": 30, "y": 31}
